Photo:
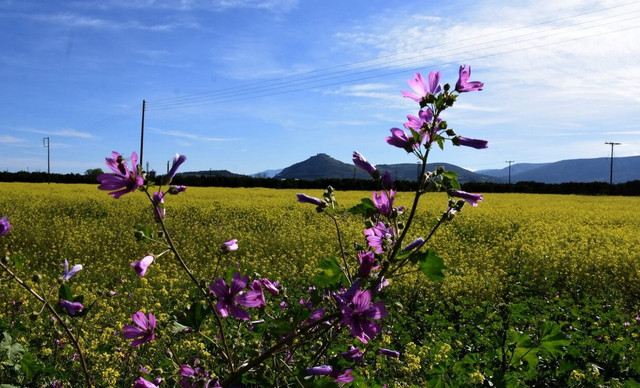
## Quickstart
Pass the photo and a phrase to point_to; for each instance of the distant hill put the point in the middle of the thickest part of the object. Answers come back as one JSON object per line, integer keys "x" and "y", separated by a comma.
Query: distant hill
{"x": 266, "y": 173}
{"x": 225, "y": 173}
{"x": 323, "y": 166}
{"x": 573, "y": 170}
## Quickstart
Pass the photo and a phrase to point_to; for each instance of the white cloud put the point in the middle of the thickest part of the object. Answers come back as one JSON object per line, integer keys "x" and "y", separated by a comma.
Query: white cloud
{"x": 191, "y": 136}
{"x": 62, "y": 133}
{"x": 7, "y": 139}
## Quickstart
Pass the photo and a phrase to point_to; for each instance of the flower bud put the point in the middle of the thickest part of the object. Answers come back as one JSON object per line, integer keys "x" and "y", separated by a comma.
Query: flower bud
{"x": 138, "y": 234}
{"x": 36, "y": 278}
{"x": 5, "y": 259}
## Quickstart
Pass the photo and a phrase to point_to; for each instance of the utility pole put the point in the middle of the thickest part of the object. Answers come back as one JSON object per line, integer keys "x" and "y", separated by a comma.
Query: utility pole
{"x": 45, "y": 143}
{"x": 509, "y": 161}
{"x": 144, "y": 103}
{"x": 611, "y": 167}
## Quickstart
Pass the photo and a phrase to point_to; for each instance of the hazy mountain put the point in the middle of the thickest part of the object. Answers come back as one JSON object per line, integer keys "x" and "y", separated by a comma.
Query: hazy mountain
{"x": 515, "y": 169}
{"x": 583, "y": 170}
{"x": 266, "y": 173}
{"x": 324, "y": 166}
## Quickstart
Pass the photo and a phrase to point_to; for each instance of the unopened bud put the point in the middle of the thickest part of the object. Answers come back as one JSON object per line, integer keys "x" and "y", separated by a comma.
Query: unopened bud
{"x": 5, "y": 259}
{"x": 138, "y": 234}
{"x": 36, "y": 278}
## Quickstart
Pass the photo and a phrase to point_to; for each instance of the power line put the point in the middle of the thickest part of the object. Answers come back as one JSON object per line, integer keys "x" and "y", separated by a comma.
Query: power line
{"x": 294, "y": 83}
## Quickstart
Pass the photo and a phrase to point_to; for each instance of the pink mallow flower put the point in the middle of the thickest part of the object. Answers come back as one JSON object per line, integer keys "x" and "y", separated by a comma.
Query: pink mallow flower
{"x": 73, "y": 308}
{"x": 5, "y": 226}
{"x": 473, "y": 143}
{"x": 144, "y": 383}
{"x": 362, "y": 163}
{"x": 230, "y": 246}
{"x": 141, "y": 266}
{"x": 470, "y": 198}
{"x": 177, "y": 161}
{"x": 143, "y": 332}
{"x": 66, "y": 274}
{"x": 233, "y": 296}
{"x": 359, "y": 315}
{"x": 384, "y": 202}
{"x": 463, "y": 84}
{"x": 422, "y": 89}
{"x": 123, "y": 180}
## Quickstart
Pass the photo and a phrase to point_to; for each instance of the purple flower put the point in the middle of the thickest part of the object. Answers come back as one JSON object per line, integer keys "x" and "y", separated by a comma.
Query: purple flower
{"x": 230, "y": 246}
{"x": 359, "y": 316}
{"x": 387, "y": 180}
{"x": 72, "y": 308}
{"x": 378, "y": 236}
{"x": 463, "y": 84}
{"x": 141, "y": 266}
{"x": 5, "y": 226}
{"x": 417, "y": 243}
{"x": 66, "y": 274}
{"x": 388, "y": 353}
{"x": 229, "y": 297}
{"x": 384, "y": 202}
{"x": 474, "y": 143}
{"x": 143, "y": 332}
{"x": 256, "y": 287}
{"x": 343, "y": 378}
{"x": 470, "y": 198}
{"x": 421, "y": 90}
{"x": 399, "y": 139}
{"x": 304, "y": 198}
{"x": 144, "y": 383}
{"x": 353, "y": 353}
{"x": 367, "y": 260}
{"x": 177, "y": 161}
{"x": 362, "y": 163}
{"x": 272, "y": 287}
{"x": 123, "y": 180}
{"x": 177, "y": 189}
{"x": 322, "y": 370}
{"x": 158, "y": 205}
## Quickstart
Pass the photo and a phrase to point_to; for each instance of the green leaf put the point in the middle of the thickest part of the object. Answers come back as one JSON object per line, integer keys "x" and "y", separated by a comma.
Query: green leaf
{"x": 143, "y": 233}
{"x": 176, "y": 327}
{"x": 365, "y": 207}
{"x": 65, "y": 293}
{"x": 14, "y": 350}
{"x": 553, "y": 340}
{"x": 30, "y": 365}
{"x": 431, "y": 265}
{"x": 330, "y": 274}
{"x": 194, "y": 315}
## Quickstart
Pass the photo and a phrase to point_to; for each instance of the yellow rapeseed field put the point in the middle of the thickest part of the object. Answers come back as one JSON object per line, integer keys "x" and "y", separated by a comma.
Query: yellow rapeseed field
{"x": 564, "y": 243}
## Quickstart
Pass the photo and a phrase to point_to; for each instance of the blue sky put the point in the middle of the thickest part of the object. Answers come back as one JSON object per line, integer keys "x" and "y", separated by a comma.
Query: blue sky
{"x": 250, "y": 85}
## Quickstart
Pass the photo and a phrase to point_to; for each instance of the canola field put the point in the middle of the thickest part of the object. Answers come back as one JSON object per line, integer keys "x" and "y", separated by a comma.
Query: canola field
{"x": 571, "y": 259}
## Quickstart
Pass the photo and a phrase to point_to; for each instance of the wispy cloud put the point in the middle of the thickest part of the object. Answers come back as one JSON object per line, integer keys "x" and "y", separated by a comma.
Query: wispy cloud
{"x": 71, "y": 19}
{"x": 7, "y": 139}
{"x": 191, "y": 136}
{"x": 62, "y": 133}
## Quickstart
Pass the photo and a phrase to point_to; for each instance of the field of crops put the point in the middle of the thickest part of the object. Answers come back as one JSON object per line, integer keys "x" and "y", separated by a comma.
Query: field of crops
{"x": 516, "y": 263}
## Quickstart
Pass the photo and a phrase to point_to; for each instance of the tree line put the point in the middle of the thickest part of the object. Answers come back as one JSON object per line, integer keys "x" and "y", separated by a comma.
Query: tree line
{"x": 630, "y": 188}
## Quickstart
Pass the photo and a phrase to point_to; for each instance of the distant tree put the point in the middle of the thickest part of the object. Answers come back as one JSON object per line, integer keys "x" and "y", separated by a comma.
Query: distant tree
{"x": 92, "y": 173}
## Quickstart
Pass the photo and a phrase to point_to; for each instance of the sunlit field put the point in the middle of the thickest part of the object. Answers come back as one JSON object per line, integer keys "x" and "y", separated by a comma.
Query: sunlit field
{"x": 514, "y": 262}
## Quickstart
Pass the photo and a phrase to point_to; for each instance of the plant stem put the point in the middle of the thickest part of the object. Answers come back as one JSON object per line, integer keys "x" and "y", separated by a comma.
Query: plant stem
{"x": 173, "y": 248}
{"x": 58, "y": 318}
{"x": 344, "y": 257}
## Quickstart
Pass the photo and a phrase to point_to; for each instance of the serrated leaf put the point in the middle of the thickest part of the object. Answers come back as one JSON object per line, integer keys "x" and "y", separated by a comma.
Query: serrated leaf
{"x": 176, "y": 327}
{"x": 431, "y": 265}
{"x": 365, "y": 207}
{"x": 13, "y": 350}
{"x": 330, "y": 274}
{"x": 553, "y": 340}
